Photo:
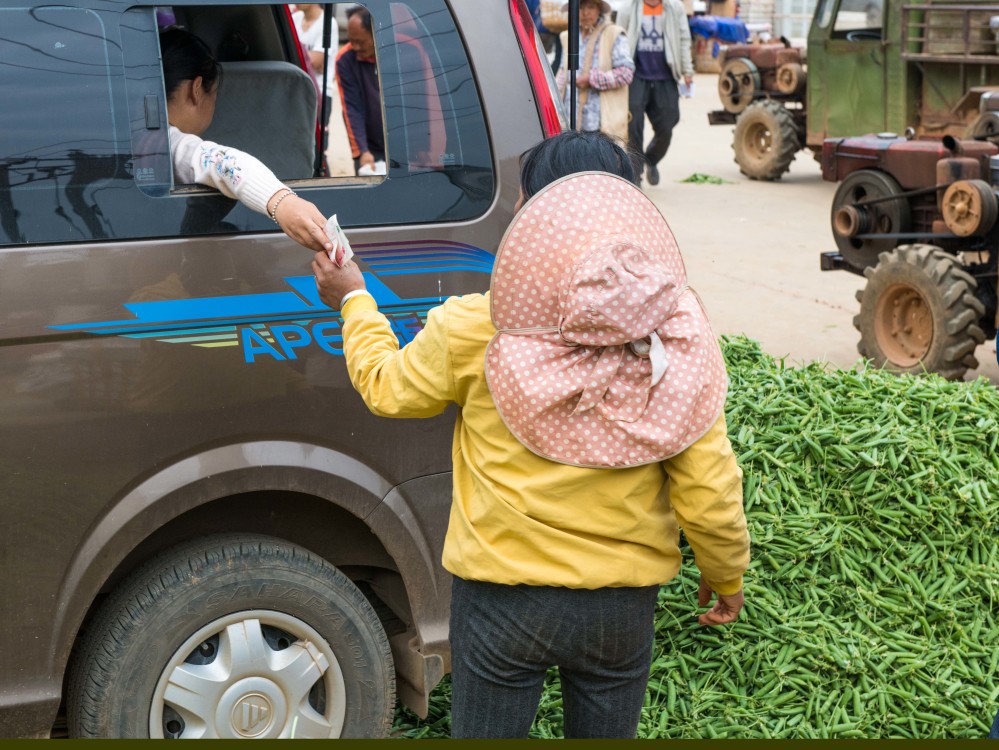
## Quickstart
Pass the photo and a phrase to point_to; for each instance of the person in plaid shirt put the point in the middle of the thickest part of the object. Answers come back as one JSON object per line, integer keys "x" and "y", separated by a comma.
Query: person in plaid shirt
{"x": 606, "y": 70}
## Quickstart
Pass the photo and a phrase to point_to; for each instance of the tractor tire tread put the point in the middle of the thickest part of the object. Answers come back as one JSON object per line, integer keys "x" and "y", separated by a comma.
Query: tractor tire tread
{"x": 785, "y": 141}
{"x": 949, "y": 293}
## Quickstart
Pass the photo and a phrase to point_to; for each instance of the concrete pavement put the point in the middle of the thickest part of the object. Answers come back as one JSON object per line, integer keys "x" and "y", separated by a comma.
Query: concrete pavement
{"x": 752, "y": 248}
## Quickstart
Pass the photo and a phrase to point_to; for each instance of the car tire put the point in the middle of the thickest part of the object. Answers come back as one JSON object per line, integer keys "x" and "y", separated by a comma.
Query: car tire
{"x": 234, "y": 636}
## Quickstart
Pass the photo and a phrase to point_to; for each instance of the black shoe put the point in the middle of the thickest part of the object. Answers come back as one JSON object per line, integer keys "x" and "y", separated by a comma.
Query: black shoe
{"x": 652, "y": 174}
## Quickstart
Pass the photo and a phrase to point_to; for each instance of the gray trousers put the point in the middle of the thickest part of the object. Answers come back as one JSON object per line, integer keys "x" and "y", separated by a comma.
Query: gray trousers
{"x": 504, "y": 639}
{"x": 660, "y": 100}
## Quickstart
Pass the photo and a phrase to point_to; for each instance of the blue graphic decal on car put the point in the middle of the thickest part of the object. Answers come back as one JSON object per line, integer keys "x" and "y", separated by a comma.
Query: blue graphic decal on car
{"x": 276, "y": 324}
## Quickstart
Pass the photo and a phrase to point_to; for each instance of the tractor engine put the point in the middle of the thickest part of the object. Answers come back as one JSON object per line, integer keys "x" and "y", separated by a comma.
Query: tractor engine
{"x": 917, "y": 218}
{"x": 755, "y": 71}
{"x": 896, "y": 190}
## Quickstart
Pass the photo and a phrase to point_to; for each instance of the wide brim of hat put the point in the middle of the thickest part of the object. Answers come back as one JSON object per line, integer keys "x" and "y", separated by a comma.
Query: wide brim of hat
{"x": 555, "y": 228}
{"x": 605, "y": 7}
{"x": 540, "y": 409}
{"x": 536, "y": 377}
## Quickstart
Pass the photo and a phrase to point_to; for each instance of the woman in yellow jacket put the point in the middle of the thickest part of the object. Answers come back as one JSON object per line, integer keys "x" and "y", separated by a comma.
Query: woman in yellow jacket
{"x": 590, "y": 429}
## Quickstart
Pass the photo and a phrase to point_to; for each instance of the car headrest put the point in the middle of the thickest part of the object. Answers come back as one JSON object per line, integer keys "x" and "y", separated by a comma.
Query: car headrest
{"x": 268, "y": 109}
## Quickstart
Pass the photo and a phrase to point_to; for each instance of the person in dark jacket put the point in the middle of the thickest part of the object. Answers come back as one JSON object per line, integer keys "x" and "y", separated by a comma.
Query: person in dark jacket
{"x": 360, "y": 93}
{"x": 659, "y": 34}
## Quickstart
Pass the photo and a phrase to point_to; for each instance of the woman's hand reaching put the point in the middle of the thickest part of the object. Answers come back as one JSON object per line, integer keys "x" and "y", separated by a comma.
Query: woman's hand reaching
{"x": 302, "y": 221}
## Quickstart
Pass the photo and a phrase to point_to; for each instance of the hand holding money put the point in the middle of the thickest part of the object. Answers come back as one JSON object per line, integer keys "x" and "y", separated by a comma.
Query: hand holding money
{"x": 341, "y": 251}
{"x": 336, "y": 274}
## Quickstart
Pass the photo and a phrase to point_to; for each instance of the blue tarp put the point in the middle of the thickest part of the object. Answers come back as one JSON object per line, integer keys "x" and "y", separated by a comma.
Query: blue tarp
{"x": 730, "y": 30}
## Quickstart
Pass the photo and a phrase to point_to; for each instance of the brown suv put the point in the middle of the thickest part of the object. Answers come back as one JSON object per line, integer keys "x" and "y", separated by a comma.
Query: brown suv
{"x": 205, "y": 532}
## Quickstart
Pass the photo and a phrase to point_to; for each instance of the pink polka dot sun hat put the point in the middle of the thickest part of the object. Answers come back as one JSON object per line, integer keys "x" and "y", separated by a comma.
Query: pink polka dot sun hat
{"x": 603, "y": 356}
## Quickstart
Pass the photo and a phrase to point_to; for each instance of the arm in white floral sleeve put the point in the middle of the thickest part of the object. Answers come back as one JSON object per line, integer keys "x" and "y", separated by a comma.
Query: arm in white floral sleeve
{"x": 238, "y": 175}
{"x": 230, "y": 171}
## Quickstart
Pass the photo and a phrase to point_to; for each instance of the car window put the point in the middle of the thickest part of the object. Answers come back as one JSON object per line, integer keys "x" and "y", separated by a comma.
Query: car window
{"x": 859, "y": 14}
{"x": 57, "y": 156}
{"x": 88, "y": 157}
{"x": 260, "y": 96}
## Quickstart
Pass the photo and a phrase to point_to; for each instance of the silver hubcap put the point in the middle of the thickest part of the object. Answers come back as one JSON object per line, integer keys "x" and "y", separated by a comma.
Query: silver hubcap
{"x": 256, "y": 674}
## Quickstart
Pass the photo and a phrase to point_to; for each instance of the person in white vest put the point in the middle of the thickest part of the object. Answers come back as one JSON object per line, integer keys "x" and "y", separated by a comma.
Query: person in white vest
{"x": 606, "y": 69}
{"x": 660, "y": 45}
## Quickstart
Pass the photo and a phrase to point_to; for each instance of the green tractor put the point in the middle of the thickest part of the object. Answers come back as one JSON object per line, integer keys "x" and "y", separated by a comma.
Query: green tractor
{"x": 904, "y": 67}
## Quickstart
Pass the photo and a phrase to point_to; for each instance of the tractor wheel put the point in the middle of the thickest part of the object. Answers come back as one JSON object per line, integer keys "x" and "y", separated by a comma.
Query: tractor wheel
{"x": 855, "y": 218}
{"x": 765, "y": 141}
{"x": 919, "y": 313}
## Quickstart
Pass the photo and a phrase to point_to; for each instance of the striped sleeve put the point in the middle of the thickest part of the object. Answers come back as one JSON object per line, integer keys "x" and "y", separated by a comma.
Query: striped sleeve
{"x": 622, "y": 72}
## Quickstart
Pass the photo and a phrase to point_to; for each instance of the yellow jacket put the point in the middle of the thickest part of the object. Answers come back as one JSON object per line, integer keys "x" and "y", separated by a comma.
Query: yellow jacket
{"x": 519, "y": 518}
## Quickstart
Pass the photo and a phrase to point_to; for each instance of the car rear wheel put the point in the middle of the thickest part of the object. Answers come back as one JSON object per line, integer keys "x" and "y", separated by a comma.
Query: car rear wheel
{"x": 919, "y": 313}
{"x": 234, "y": 637}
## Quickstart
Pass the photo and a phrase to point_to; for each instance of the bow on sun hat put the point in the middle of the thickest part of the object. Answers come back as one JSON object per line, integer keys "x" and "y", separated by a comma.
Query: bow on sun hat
{"x": 603, "y": 357}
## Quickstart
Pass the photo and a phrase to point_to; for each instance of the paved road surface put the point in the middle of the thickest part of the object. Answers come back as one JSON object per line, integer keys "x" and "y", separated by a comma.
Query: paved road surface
{"x": 752, "y": 248}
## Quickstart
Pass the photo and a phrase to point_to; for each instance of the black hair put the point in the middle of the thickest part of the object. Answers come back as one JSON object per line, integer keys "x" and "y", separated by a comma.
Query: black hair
{"x": 363, "y": 12}
{"x": 185, "y": 57}
{"x": 569, "y": 152}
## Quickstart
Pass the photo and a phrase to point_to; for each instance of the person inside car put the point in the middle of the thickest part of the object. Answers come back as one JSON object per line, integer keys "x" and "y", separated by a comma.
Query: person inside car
{"x": 589, "y": 385}
{"x": 192, "y": 77}
{"x": 360, "y": 93}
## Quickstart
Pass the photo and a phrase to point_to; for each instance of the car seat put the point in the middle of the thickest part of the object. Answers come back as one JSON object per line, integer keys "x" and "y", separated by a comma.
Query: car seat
{"x": 268, "y": 109}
